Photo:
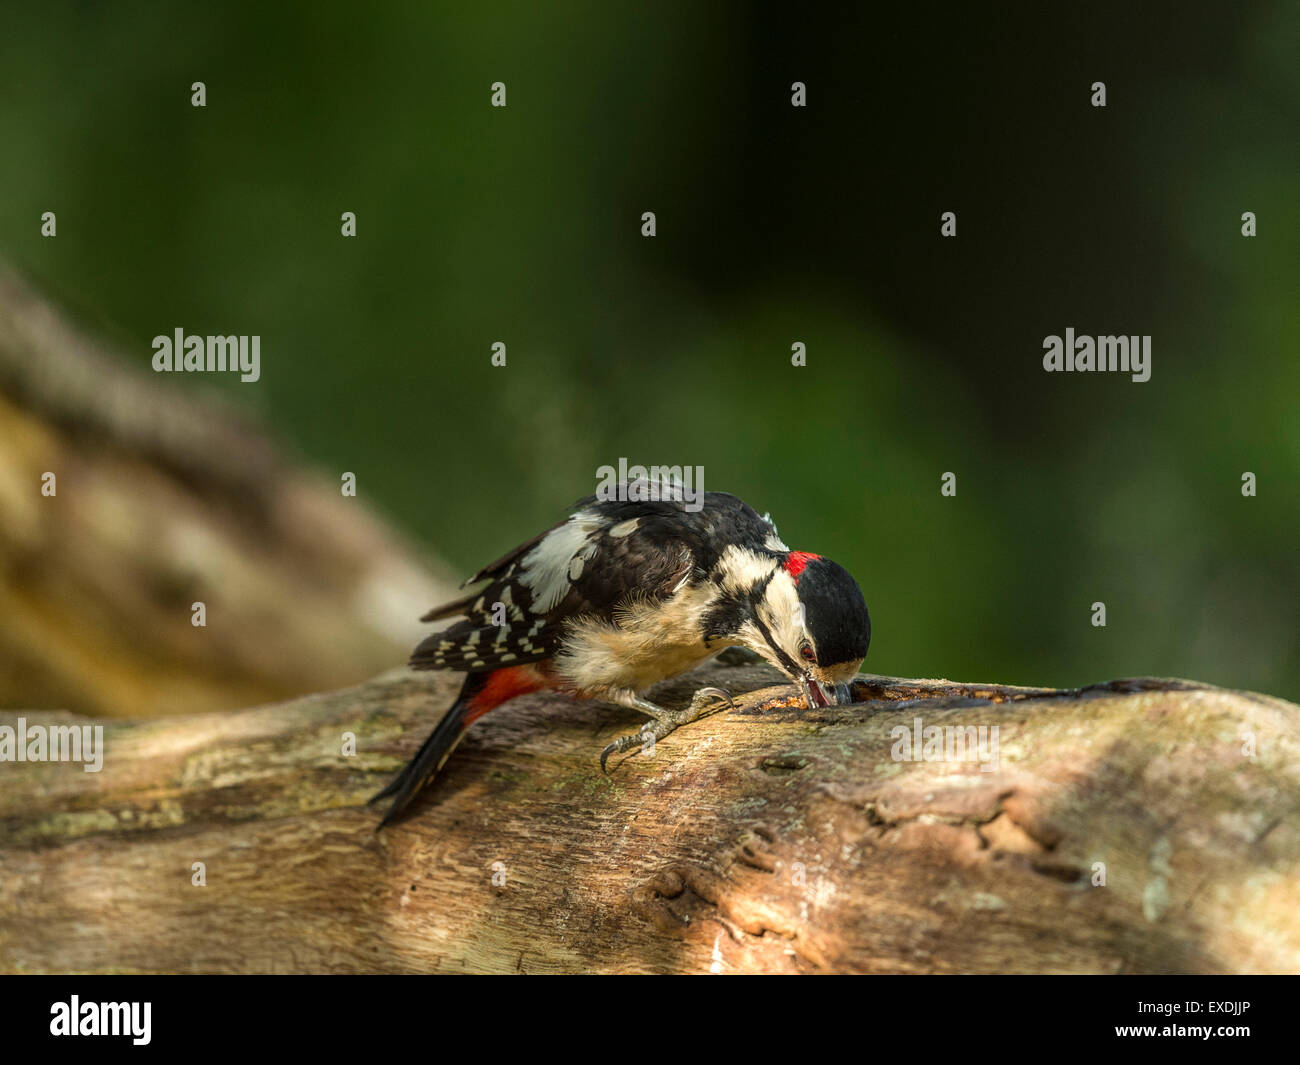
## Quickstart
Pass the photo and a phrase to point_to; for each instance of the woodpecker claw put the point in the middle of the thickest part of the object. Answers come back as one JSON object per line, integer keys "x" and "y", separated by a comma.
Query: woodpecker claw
{"x": 634, "y": 740}
{"x": 716, "y": 693}
{"x": 704, "y": 702}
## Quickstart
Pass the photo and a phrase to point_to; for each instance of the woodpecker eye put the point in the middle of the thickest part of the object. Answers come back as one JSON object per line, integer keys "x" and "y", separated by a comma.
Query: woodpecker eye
{"x": 808, "y": 654}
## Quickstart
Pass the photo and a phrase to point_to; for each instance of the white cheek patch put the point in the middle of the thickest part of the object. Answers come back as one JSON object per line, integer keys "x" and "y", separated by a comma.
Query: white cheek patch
{"x": 784, "y": 613}
{"x": 752, "y": 638}
{"x": 744, "y": 569}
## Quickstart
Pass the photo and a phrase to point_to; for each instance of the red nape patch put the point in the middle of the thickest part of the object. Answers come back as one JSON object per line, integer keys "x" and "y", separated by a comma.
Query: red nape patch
{"x": 795, "y": 562}
{"x": 502, "y": 686}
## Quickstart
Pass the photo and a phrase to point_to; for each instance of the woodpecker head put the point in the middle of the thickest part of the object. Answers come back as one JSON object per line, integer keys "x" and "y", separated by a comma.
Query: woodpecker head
{"x": 811, "y": 622}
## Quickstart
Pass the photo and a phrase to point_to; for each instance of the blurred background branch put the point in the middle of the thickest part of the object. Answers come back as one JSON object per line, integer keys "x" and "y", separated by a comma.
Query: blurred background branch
{"x": 165, "y": 497}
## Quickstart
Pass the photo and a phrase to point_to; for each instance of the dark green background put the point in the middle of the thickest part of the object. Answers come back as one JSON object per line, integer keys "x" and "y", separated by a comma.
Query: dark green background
{"x": 774, "y": 225}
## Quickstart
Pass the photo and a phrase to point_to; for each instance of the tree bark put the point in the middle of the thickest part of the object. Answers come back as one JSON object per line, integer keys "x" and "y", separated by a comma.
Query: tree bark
{"x": 1135, "y": 826}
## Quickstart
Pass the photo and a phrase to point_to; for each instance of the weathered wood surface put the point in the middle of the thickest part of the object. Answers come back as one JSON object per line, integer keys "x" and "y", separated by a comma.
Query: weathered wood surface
{"x": 776, "y": 840}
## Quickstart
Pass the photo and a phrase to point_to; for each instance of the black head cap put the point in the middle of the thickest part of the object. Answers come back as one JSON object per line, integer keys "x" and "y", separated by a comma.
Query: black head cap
{"x": 835, "y": 612}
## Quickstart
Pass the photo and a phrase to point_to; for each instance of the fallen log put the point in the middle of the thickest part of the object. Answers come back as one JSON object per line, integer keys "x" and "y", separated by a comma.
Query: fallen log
{"x": 1133, "y": 826}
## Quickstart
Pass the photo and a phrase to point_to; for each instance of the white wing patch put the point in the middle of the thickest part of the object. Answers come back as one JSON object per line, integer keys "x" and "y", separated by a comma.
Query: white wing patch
{"x": 546, "y": 568}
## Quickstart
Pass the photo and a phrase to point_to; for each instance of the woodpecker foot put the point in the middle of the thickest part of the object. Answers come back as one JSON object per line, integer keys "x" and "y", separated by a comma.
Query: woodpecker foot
{"x": 706, "y": 701}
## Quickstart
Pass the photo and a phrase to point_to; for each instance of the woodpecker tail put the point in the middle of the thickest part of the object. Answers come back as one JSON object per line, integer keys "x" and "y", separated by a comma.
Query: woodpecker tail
{"x": 433, "y": 753}
{"x": 480, "y": 693}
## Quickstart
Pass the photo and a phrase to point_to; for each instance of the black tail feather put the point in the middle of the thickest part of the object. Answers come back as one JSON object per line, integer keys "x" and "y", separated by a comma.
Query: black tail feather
{"x": 431, "y": 756}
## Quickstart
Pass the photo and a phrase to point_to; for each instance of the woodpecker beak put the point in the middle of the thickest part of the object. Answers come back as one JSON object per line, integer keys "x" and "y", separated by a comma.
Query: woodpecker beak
{"x": 816, "y": 694}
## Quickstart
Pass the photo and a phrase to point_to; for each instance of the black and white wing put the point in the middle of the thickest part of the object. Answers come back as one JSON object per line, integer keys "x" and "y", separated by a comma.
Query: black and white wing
{"x": 587, "y": 566}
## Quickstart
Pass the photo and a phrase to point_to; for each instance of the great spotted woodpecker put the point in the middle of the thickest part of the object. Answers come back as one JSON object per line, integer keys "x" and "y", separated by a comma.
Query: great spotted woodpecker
{"x": 627, "y": 592}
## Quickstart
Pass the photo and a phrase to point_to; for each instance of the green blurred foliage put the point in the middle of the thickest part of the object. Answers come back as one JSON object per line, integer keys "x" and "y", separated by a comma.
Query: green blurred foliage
{"x": 774, "y": 225}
